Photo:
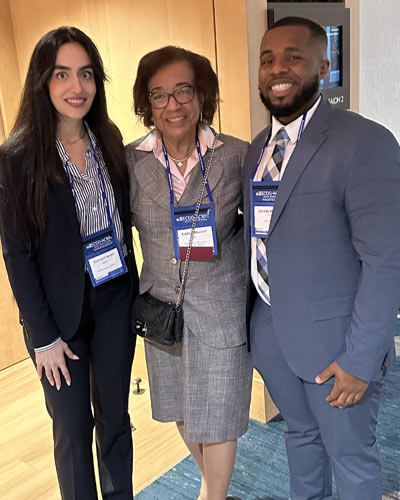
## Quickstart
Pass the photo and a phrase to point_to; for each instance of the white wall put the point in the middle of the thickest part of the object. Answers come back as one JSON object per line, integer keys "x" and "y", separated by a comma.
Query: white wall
{"x": 380, "y": 62}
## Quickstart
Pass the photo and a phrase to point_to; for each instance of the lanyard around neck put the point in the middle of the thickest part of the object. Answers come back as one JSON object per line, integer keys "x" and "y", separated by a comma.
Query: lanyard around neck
{"x": 203, "y": 171}
{"x": 101, "y": 179}
{"x": 300, "y": 133}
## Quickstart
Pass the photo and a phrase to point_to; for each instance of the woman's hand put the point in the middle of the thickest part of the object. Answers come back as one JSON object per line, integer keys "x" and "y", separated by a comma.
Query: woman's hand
{"x": 53, "y": 361}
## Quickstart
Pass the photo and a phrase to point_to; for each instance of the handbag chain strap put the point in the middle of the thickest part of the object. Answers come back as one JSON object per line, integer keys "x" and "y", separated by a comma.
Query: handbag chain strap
{"x": 195, "y": 217}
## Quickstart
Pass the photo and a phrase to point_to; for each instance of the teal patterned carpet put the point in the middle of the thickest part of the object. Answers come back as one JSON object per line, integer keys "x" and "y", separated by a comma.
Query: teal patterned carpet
{"x": 261, "y": 470}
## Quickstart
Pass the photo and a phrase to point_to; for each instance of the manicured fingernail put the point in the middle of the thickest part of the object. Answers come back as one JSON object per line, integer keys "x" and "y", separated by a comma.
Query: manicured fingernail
{"x": 75, "y": 356}
{"x": 68, "y": 383}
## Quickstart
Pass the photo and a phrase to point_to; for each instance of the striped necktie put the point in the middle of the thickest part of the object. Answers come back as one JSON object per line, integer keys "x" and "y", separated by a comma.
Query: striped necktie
{"x": 271, "y": 172}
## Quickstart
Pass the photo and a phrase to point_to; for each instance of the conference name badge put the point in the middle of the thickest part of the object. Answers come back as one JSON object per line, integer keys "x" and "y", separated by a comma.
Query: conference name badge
{"x": 103, "y": 256}
{"x": 263, "y": 196}
{"x": 204, "y": 245}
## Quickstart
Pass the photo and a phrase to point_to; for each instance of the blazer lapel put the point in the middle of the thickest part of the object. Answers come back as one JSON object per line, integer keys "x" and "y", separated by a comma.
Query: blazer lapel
{"x": 117, "y": 192}
{"x": 64, "y": 196}
{"x": 312, "y": 139}
{"x": 152, "y": 178}
{"x": 216, "y": 170}
{"x": 192, "y": 189}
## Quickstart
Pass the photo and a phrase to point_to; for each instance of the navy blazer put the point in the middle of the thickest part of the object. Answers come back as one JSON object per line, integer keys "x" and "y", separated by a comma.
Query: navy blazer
{"x": 334, "y": 245}
{"x": 49, "y": 284}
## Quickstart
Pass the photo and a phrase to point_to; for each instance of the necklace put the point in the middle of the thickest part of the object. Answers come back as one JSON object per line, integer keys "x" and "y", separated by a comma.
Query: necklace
{"x": 81, "y": 136}
{"x": 179, "y": 163}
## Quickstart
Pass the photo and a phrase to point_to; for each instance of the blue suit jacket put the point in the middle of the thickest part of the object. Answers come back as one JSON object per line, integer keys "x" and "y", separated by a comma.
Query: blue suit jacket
{"x": 334, "y": 245}
{"x": 49, "y": 285}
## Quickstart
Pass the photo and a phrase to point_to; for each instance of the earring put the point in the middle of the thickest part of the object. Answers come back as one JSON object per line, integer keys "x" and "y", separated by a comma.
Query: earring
{"x": 201, "y": 116}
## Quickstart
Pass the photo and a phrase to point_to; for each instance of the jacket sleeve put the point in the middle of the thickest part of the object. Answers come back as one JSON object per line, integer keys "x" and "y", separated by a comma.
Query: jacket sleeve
{"x": 373, "y": 208}
{"x": 23, "y": 269}
{"x": 130, "y": 153}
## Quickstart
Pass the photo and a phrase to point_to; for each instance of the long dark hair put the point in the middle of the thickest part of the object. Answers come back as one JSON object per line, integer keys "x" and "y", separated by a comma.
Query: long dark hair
{"x": 32, "y": 141}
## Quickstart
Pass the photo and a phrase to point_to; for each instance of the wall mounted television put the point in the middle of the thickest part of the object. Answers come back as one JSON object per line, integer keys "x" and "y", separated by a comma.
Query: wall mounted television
{"x": 335, "y": 19}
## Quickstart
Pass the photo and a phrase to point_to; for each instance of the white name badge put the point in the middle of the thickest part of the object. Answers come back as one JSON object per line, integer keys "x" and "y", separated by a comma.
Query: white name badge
{"x": 103, "y": 257}
{"x": 203, "y": 237}
{"x": 262, "y": 199}
{"x": 204, "y": 246}
{"x": 104, "y": 264}
{"x": 262, "y": 218}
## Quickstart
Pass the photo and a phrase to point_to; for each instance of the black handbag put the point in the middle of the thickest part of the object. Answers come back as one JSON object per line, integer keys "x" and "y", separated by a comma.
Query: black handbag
{"x": 158, "y": 321}
{"x": 162, "y": 322}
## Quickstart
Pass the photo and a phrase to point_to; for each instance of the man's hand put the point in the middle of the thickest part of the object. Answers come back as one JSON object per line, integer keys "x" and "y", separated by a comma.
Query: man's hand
{"x": 53, "y": 361}
{"x": 347, "y": 391}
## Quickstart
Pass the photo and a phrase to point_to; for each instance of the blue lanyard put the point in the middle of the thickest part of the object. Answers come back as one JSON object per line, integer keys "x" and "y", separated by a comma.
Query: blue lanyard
{"x": 203, "y": 171}
{"x": 102, "y": 185}
{"x": 301, "y": 129}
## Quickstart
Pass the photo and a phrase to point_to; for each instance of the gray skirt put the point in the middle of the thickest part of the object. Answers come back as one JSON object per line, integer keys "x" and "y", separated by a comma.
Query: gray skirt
{"x": 207, "y": 388}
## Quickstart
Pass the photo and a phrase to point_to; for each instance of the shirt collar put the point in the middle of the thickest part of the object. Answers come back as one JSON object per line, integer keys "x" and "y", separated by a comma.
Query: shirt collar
{"x": 293, "y": 127}
{"x": 63, "y": 152}
{"x": 91, "y": 136}
{"x": 152, "y": 142}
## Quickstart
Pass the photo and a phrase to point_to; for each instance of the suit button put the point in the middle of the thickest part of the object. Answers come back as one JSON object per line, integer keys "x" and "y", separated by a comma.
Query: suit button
{"x": 174, "y": 261}
{"x": 177, "y": 289}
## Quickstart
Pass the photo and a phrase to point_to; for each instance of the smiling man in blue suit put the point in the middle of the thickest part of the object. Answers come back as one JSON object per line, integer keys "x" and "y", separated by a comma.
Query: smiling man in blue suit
{"x": 322, "y": 212}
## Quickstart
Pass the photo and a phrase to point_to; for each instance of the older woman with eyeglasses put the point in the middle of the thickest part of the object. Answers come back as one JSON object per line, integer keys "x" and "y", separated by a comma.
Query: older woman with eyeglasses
{"x": 204, "y": 383}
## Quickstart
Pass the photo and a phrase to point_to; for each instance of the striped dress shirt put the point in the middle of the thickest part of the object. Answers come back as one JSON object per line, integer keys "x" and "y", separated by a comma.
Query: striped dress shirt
{"x": 90, "y": 208}
{"x": 292, "y": 130}
{"x": 153, "y": 142}
{"x": 91, "y": 211}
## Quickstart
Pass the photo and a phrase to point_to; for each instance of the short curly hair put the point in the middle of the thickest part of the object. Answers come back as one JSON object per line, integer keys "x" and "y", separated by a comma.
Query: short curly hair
{"x": 205, "y": 81}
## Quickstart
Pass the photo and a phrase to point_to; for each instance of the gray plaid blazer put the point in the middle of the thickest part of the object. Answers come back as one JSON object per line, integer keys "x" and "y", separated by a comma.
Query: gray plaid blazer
{"x": 214, "y": 303}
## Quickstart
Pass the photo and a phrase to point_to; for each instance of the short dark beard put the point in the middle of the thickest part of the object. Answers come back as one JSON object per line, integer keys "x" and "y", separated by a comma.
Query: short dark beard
{"x": 299, "y": 101}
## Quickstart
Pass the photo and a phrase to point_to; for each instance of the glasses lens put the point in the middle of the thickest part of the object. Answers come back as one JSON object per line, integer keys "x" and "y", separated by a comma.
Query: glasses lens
{"x": 159, "y": 100}
{"x": 184, "y": 94}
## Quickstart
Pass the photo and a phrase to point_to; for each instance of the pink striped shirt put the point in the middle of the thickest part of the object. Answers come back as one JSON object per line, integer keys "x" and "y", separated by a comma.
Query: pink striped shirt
{"x": 153, "y": 142}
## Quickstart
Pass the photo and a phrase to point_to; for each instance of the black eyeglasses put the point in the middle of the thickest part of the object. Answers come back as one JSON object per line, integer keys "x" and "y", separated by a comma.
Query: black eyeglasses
{"x": 183, "y": 95}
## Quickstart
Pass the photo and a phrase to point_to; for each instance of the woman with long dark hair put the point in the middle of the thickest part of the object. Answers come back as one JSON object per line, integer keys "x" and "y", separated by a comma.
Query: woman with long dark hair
{"x": 67, "y": 245}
